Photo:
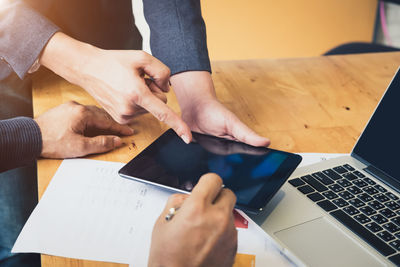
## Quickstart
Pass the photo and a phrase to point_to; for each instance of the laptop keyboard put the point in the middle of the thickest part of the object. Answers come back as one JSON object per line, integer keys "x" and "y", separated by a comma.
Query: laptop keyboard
{"x": 358, "y": 202}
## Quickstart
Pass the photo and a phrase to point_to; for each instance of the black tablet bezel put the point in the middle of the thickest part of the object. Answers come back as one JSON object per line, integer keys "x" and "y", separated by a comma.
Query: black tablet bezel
{"x": 258, "y": 202}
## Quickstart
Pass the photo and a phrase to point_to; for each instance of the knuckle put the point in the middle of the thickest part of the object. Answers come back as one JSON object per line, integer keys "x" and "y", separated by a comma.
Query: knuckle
{"x": 82, "y": 145}
{"x": 79, "y": 110}
{"x": 180, "y": 126}
{"x": 197, "y": 208}
{"x": 104, "y": 141}
{"x": 175, "y": 198}
{"x": 166, "y": 72}
{"x": 125, "y": 110}
{"x": 142, "y": 56}
{"x": 230, "y": 194}
{"x": 135, "y": 97}
{"x": 162, "y": 116}
{"x": 216, "y": 180}
{"x": 223, "y": 220}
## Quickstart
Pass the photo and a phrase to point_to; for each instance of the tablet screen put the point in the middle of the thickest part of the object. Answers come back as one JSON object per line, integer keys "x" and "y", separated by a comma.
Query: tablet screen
{"x": 254, "y": 174}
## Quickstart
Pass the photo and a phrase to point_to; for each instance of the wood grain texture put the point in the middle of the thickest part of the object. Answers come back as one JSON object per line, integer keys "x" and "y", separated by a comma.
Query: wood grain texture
{"x": 316, "y": 104}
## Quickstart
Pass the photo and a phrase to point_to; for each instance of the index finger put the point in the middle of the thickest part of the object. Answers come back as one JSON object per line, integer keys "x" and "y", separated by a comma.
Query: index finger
{"x": 165, "y": 114}
{"x": 208, "y": 188}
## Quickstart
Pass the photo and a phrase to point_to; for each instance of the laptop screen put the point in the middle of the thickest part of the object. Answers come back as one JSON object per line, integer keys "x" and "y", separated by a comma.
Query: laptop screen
{"x": 379, "y": 144}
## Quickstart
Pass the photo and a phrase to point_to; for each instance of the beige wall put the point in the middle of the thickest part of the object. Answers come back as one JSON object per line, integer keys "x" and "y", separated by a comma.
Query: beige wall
{"x": 243, "y": 29}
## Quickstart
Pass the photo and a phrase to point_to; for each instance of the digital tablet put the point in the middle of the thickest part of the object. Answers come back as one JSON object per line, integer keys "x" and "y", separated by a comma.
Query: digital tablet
{"x": 254, "y": 174}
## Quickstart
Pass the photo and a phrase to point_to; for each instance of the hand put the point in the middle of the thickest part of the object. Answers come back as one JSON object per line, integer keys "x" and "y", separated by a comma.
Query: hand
{"x": 202, "y": 232}
{"x": 205, "y": 114}
{"x": 65, "y": 131}
{"x": 116, "y": 79}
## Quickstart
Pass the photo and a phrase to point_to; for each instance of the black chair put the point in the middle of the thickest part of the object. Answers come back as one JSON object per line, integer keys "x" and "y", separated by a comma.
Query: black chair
{"x": 364, "y": 47}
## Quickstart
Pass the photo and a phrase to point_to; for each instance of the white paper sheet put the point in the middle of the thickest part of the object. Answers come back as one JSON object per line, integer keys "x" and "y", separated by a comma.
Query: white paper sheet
{"x": 89, "y": 212}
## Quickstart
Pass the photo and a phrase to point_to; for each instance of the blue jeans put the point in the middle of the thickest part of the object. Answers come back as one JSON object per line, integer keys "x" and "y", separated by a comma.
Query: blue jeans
{"x": 18, "y": 197}
{"x": 18, "y": 187}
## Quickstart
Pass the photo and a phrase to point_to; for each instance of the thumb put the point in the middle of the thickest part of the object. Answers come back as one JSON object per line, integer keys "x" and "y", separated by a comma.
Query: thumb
{"x": 101, "y": 144}
{"x": 242, "y": 133}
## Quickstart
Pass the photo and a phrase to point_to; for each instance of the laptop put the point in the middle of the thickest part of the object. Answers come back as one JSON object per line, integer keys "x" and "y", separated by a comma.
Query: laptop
{"x": 346, "y": 211}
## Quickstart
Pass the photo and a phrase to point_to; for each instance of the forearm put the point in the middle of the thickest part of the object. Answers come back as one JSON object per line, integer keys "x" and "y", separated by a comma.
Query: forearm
{"x": 24, "y": 33}
{"x": 20, "y": 142}
{"x": 67, "y": 57}
{"x": 178, "y": 34}
{"x": 178, "y": 39}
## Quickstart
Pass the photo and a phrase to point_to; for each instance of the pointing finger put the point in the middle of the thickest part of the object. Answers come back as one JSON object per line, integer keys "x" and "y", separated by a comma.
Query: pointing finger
{"x": 165, "y": 114}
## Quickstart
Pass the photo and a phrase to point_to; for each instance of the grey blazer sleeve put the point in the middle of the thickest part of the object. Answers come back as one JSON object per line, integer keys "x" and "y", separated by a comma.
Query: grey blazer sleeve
{"x": 177, "y": 34}
{"x": 20, "y": 142}
{"x": 23, "y": 35}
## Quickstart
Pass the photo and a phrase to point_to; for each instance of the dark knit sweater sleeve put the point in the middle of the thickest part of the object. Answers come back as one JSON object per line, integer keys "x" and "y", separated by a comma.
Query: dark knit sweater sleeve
{"x": 20, "y": 142}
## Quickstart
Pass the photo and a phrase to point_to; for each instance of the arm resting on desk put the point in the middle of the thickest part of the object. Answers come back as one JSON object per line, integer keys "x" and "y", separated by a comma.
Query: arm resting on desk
{"x": 20, "y": 142}
{"x": 66, "y": 131}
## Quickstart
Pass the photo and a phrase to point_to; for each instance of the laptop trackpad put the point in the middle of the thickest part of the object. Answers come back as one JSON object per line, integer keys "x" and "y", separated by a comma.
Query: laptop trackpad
{"x": 321, "y": 243}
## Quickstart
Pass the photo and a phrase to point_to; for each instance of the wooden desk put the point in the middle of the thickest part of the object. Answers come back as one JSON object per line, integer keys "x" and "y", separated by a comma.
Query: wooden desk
{"x": 304, "y": 105}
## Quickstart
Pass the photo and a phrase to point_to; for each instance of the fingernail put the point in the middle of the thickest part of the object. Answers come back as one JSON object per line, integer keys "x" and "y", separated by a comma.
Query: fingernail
{"x": 132, "y": 130}
{"x": 117, "y": 141}
{"x": 185, "y": 139}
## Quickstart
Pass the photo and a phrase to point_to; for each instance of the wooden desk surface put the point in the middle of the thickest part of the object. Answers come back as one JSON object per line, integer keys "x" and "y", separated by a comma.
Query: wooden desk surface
{"x": 304, "y": 105}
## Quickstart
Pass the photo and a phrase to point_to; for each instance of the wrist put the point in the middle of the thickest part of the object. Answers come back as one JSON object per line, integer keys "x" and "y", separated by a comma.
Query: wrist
{"x": 67, "y": 57}
{"x": 39, "y": 134}
{"x": 192, "y": 88}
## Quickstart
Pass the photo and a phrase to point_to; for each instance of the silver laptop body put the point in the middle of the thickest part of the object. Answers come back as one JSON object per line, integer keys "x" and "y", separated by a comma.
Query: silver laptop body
{"x": 346, "y": 211}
